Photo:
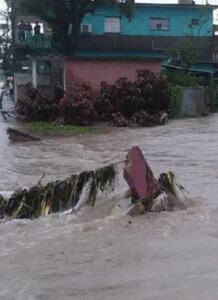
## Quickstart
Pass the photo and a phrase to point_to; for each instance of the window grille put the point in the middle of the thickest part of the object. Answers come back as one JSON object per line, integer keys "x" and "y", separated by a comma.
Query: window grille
{"x": 112, "y": 25}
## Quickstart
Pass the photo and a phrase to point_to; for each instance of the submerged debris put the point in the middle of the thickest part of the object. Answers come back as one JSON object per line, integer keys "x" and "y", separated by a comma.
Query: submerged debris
{"x": 58, "y": 196}
{"x": 139, "y": 175}
{"x": 171, "y": 189}
{"x": 17, "y": 136}
{"x": 147, "y": 193}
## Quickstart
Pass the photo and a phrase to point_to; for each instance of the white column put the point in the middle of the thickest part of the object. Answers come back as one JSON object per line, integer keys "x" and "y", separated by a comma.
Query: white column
{"x": 34, "y": 73}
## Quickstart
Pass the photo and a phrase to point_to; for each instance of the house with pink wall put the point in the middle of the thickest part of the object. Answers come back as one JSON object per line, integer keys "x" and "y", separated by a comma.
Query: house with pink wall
{"x": 95, "y": 66}
{"x": 109, "y": 69}
{"x": 109, "y": 57}
{"x": 110, "y": 46}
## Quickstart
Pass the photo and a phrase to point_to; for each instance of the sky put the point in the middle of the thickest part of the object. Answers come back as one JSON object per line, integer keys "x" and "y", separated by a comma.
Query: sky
{"x": 215, "y": 2}
{"x": 2, "y": 2}
{"x": 176, "y": 1}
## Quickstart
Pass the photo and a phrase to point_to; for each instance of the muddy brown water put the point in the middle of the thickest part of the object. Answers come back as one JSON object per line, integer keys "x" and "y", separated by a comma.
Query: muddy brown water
{"x": 99, "y": 255}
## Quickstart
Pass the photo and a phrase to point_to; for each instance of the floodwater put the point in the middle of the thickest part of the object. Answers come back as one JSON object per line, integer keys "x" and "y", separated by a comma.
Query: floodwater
{"x": 100, "y": 254}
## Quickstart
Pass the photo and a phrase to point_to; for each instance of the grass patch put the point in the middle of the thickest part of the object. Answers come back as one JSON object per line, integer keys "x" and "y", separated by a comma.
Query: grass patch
{"x": 44, "y": 128}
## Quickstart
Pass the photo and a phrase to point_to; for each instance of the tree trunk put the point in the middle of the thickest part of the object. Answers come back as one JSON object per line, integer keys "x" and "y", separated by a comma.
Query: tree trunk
{"x": 67, "y": 37}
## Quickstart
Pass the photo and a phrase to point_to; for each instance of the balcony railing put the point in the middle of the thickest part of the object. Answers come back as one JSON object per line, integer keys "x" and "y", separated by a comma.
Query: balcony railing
{"x": 40, "y": 41}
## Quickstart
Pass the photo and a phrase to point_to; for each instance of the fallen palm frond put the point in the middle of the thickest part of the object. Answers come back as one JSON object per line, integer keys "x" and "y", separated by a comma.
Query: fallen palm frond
{"x": 167, "y": 198}
{"x": 58, "y": 196}
{"x": 169, "y": 185}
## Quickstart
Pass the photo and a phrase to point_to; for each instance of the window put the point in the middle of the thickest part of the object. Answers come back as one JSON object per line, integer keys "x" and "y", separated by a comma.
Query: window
{"x": 195, "y": 22}
{"x": 112, "y": 25}
{"x": 44, "y": 67}
{"x": 159, "y": 24}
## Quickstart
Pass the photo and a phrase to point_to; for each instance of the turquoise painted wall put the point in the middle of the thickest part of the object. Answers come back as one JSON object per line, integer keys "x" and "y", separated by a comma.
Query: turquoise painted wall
{"x": 179, "y": 17}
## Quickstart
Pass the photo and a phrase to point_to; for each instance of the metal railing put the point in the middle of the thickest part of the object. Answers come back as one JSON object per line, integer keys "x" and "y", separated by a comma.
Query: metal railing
{"x": 39, "y": 41}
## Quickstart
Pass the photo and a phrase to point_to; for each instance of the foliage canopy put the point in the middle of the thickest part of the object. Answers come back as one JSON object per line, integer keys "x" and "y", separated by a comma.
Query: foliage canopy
{"x": 66, "y": 16}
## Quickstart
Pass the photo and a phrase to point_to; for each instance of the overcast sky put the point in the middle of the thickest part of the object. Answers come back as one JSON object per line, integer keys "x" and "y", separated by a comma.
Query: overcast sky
{"x": 2, "y": 2}
{"x": 176, "y": 1}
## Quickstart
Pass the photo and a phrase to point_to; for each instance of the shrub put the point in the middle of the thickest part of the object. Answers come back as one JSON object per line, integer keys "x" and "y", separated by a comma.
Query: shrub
{"x": 180, "y": 78}
{"x": 118, "y": 97}
{"x": 77, "y": 107}
{"x": 176, "y": 99}
{"x": 143, "y": 119}
{"x": 104, "y": 103}
{"x": 36, "y": 107}
{"x": 118, "y": 120}
{"x": 149, "y": 92}
{"x": 213, "y": 94}
{"x": 58, "y": 93}
{"x": 154, "y": 91}
{"x": 128, "y": 97}
{"x": 116, "y": 103}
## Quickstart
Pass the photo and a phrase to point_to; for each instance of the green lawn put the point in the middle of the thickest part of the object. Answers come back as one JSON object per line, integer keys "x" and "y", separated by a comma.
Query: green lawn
{"x": 44, "y": 128}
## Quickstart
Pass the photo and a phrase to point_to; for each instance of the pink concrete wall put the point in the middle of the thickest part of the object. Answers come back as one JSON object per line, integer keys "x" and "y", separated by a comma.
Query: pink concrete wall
{"x": 95, "y": 71}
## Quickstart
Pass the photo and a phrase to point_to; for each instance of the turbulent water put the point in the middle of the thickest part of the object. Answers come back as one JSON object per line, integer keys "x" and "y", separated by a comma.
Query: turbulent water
{"x": 99, "y": 254}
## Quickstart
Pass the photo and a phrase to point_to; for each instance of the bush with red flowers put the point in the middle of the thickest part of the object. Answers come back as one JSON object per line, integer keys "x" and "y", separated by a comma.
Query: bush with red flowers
{"x": 37, "y": 107}
{"x": 141, "y": 102}
{"x": 77, "y": 106}
{"x": 149, "y": 93}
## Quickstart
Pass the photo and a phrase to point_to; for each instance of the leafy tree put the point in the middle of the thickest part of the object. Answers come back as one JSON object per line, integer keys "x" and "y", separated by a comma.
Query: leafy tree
{"x": 189, "y": 51}
{"x": 66, "y": 16}
{"x": 192, "y": 43}
{"x": 5, "y": 40}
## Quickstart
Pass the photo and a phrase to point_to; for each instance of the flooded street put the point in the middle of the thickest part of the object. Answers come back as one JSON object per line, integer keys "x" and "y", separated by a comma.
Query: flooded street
{"x": 98, "y": 255}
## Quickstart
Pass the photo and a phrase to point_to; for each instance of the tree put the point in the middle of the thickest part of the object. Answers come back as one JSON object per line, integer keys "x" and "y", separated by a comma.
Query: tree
{"x": 5, "y": 41}
{"x": 66, "y": 16}
{"x": 192, "y": 44}
{"x": 187, "y": 54}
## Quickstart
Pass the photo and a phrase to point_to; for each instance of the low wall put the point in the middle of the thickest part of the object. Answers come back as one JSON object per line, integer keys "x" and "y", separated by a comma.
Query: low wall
{"x": 189, "y": 101}
{"x": 94, "y": 71}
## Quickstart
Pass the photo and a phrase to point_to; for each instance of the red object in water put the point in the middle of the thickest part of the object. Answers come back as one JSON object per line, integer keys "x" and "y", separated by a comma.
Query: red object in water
{"x": 139, "y": 175}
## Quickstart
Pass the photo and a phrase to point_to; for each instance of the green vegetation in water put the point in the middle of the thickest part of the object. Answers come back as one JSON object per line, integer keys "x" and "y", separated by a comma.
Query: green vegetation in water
{"x": 44, "y": 128}
{"x": 58, "y": 196}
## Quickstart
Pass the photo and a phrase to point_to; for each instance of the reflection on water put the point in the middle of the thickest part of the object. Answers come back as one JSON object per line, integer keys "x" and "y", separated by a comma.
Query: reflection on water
{"x": 158, "y": 256}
